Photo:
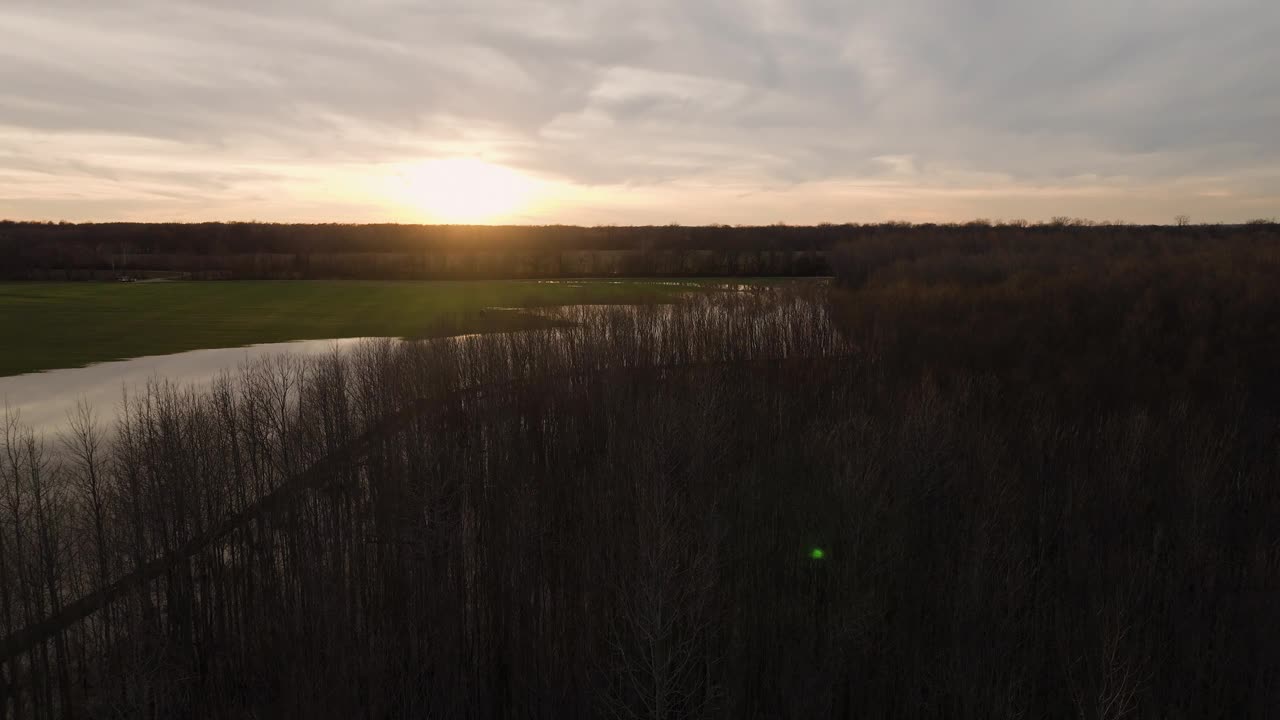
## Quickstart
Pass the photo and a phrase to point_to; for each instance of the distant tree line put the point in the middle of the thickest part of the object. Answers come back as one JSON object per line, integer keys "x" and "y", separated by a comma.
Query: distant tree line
{"x": 262, "y": 250}
{"x": 31, "y": 250}
{"x": 1171, "y": 313}
{"x": 983, "y": 476}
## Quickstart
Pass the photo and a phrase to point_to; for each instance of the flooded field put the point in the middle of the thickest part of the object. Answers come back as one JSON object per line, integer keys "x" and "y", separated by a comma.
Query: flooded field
{"x": 44, "y": 399}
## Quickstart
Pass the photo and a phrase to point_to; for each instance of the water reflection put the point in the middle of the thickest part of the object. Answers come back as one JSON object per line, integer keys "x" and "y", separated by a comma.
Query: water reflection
{"x": 44, "y": 398}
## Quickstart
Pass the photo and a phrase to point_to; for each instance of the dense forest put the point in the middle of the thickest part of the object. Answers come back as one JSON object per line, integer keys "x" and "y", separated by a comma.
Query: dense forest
{"x": 66, "y": 251}
{"x": 990, "y": 472}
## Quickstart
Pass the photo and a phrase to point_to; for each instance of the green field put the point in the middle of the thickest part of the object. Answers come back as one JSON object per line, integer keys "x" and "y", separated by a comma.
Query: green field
{"x": 57, "y": 325}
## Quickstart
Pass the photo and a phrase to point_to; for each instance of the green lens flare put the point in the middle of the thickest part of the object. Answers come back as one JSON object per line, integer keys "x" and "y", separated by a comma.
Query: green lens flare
{"x": 817, "y": 554}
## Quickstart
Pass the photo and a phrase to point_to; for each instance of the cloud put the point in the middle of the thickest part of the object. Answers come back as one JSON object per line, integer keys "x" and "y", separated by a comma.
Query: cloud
{"x": 179, "y": 108}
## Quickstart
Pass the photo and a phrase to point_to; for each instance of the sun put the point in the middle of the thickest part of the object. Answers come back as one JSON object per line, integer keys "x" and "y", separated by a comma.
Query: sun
{"x": 464, "y": 190}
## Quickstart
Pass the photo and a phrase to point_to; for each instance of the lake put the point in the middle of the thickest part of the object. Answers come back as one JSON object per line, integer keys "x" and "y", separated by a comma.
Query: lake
{"x": 43, "y": 399}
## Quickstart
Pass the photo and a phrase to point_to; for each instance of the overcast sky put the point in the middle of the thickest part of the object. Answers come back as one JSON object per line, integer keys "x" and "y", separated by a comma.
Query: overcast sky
{"x": 652, "y": 111}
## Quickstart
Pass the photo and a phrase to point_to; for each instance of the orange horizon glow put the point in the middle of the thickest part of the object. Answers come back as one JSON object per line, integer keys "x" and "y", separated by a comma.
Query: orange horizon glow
{"x": 461, "y": 190}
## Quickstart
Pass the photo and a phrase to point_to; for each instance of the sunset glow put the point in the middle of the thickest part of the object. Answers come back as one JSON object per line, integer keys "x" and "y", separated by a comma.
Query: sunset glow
{"x": 462, "y": 190}
{"x": 538, "y": 112}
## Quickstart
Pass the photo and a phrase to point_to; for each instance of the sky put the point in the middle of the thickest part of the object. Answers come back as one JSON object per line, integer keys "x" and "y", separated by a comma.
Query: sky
{"x": 626, "y": 112}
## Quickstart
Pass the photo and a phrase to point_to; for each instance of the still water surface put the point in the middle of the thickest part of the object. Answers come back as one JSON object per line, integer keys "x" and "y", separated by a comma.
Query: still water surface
{"x": 44, "y": 398}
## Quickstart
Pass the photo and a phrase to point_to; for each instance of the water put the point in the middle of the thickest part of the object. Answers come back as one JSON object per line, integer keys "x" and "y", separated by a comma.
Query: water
{"x": 43, "y": 399}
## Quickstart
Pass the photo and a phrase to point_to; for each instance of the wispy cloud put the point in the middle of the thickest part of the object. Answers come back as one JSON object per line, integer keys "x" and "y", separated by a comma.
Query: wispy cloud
{"x": 696, "y": 110}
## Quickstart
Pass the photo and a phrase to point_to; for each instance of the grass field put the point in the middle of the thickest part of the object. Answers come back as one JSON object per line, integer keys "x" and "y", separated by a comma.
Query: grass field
{"x": 56, "y": 325}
